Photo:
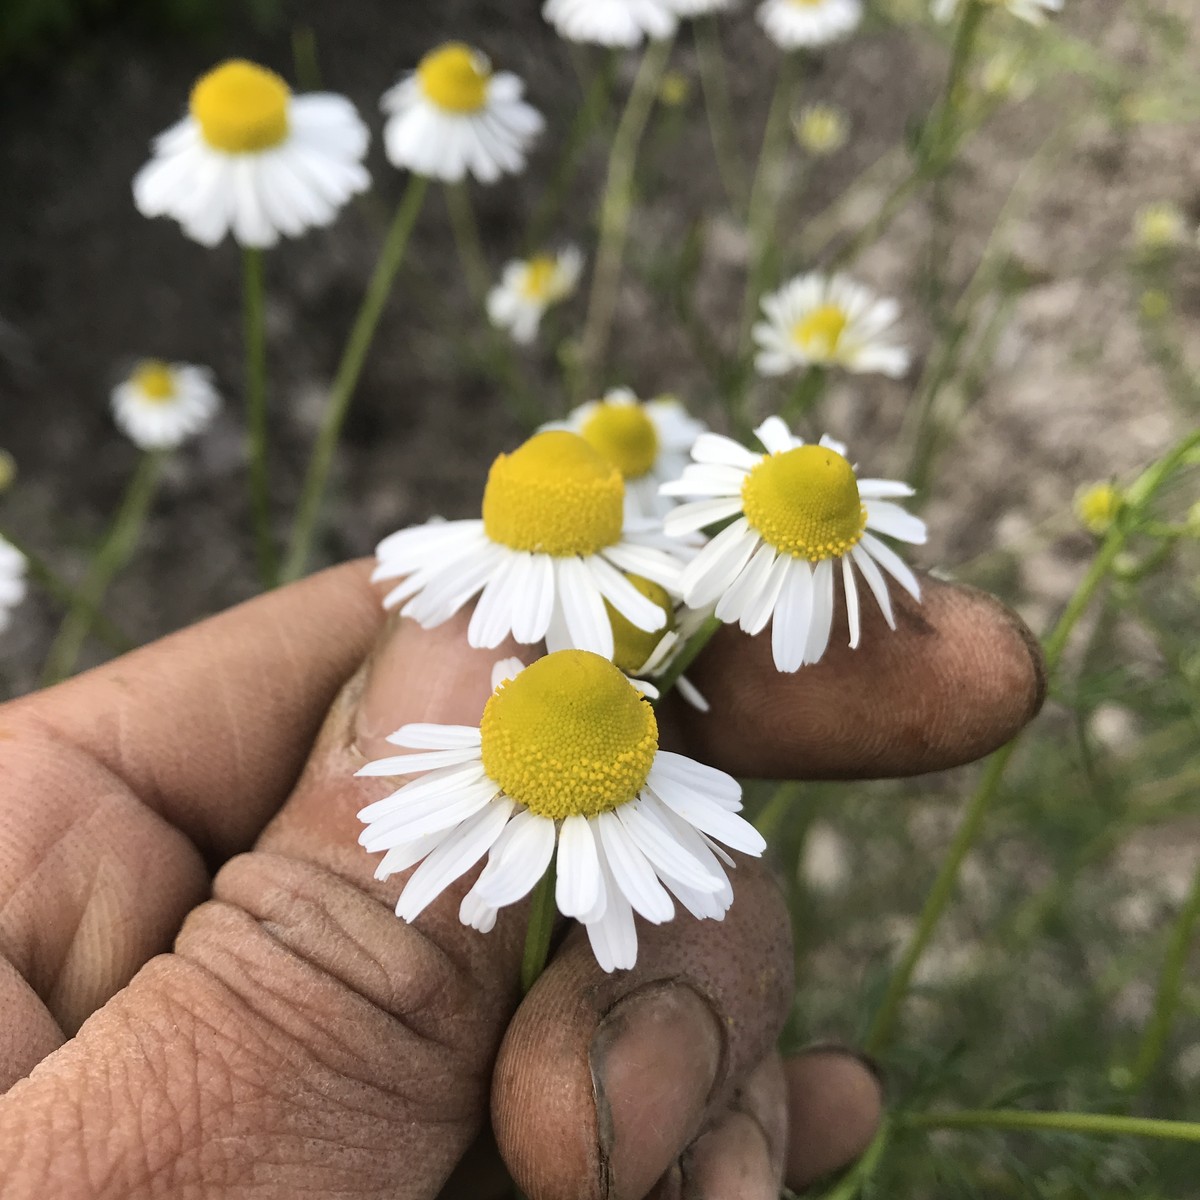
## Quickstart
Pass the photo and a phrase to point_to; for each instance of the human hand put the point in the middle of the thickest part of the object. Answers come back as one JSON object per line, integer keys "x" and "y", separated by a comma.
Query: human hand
{"x": 300, "y": 1039}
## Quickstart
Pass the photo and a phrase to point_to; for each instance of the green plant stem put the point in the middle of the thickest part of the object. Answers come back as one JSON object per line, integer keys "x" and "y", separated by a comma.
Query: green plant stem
{"x": 467, "y": 241}
{"x": 806, "y": 395}
{"x": 937, "y": 152}
{"x": 778, "y": 809}
{"x": 715, "y": 81}
{"x": 542, "y": 913}
{"x": 615, "y": 210}
{"x": 114, "y": 552}
{"x": 1091, "y": 1124}
{"x": 254, "y": 313}
{"x": 350, "y": 368}
{"x": 851, "y": 1184}
{"x": 687, "y": 656}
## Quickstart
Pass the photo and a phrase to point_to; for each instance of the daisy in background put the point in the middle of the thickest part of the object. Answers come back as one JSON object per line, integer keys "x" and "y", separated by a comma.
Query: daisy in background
{"x": 698, "y": 8}
{"x": 795, "y": 24}
{"x": 827, "y": 320}
{"x": 552, "y": 546}
{"x": 254, "y": 160}
{"x": 564, "y": 764}
{"x": 1033, "y": 11}
{"x": 161, "y": 404}
{"x": 12, "y": 581}
{"x": 528, "y": 287}
{"x": 1159, "y": 226}
{"x": 454, "y": 115}
{"x": 801, "y": 517}
{"x": 647, "y": 442}
{"x": 8, "y": 471}
{"x": 821, "y": 129}
{"x": 611, "y": 22}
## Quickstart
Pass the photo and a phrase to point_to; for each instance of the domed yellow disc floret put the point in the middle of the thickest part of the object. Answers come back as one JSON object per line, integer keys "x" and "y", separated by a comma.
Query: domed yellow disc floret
{"x": 570, "y": 736}
{"x": 805, "y": 502}
{"x": 554, "y": 495}
{"x": 632, "y": 646}
{"x": 455, "y": 77}
{"x": 155, "y": 380}
{"x": 625, "y": 435}
{"x": 241, "y": 107}
{"x": 541, "y": 278}
{"x": 820, "y": 333}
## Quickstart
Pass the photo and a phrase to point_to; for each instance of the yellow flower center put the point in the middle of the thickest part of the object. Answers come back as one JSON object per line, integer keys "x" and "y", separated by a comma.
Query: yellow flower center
{"x": 1097, "y": 507}
{"x": 8, "y": 470}
{"x": 819, "y": 333}
{"x": 241, "y": 107}
{"x": 570, "y": 736}
{"x": 554, "y": 495}
{"x": 625, "y": 436}
{"x": 156, "y": 381}
{"x": 805, "y": 502}
{"x": 541, "y": 278}
{"x": 632, "y": 646}
{"x": 455, "y": 78}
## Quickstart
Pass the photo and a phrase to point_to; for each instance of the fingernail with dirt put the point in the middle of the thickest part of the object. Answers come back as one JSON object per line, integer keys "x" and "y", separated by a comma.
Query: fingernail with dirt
{"x": 655, "y": 1060}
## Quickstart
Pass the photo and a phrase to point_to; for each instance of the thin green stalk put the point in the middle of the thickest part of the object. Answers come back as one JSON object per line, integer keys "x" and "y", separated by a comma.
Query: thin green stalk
{"x": 686, "y": 657}
{"x": 715, "y": 82}
{"x": 115, "y": 551}
{"x": 937, "y": 152}
{"x": 51, "y": 582}
{"x": 353, "y": 358}
{"x": 777, "y": 811}
{"x": 806, "y": 395}
{"x": 254, "y": 306}
{"x": 854, "y": 1180}
{"x": 542, "y": 913}
{"x": 615, "y": 211}
{"x": 1170, "y": 984}
{"x": 1090, "y": 1124}
{"x": 467, "y": 241}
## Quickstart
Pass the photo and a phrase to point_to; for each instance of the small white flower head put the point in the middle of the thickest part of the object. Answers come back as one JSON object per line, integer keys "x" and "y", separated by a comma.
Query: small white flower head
{"x": 1160, "y": 226}
{"x": 161, "y": 404}
{"x": 796, "y": 24}
{"x": 647, "y": 442}
{"x": 565, "y": 762}
{"x": 1033, "y": 11}
{"x": 801, "y": 518}
{"x": 820, "y": 320}
{"x": 530, "y": 286}
{"x": 12, "y": 581}
{"x": 611, "y": 22}
{"x": 552, "y": 546}
{"x": 454, "y": 115}
{"x": 254, "y": 160}
{"x": 821, "y": 129}
{"x": 698, "y": 8}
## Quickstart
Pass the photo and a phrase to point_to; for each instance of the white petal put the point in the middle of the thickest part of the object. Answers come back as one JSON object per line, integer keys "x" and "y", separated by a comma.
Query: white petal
{"x": 850, "y": 587}
{"x": 709, "y": 817}
{"x": 492, "y": 620}
{"x": 892, "y": 563}
{"x": 713, "y": 571}
{"x": 435, "y": 737}
{"x": 637, "y": 609}
{"x": 664, "y": 852}
{"x": 518, "y": 860}
{"x": 883, "y": 489}
{"x": 532, "y": 618}
{"x": 408, "y": 854}
{"x": 893, "y": 521}
{"x": 698, "y": 777}
{"x": 775, "y": 435}
{"x": 688, "y": 518}
{"x": 578, "y": 886}
{"x": 722, "y": 451}
{"x": 759, "y": 610}
{"x": 583, "y": 608}
{"x": 613, "y": 936}
{"x": 506, "y": 669}
{"x": 415, "y": 764}
{"x": 477, "y": 913}
{"x": 793, "y": 617}
{"x": 875, "y": 581}
{"x": 822, "y": 612}
{"x": 633, "y": 873}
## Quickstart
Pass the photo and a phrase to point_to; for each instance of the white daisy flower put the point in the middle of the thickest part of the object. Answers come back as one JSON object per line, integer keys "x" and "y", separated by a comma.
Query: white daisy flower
{"x": 454, "y": 115}
{"x": 254, "y": 160}
{"x": 528, "y": 287}
{"x": 822, "y": 320}
{"x": 565, "y": 761}
{"x": 12, "y": 581}
{"x": 1033, "y": 11}
{"x": 647, "y": 442}
{"x": 161, "y": 404}
{"x": 800, "y": 518}
{"x": 552, "y": 545}
{"x": 795, "y": 24}
{"x": 611, "y": 22}
{"x": 821, "y": 129}
{"x": 698, "y": 8}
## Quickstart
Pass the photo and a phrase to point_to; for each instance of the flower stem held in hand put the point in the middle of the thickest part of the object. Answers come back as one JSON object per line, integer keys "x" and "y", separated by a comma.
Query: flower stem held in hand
{"x": 542, "y": 912}
{"x": 253, "y": 307}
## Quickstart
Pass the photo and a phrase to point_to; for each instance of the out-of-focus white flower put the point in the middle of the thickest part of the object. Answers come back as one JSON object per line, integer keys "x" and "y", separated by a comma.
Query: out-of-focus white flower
{"x": 12, "y": 581}
{"x": 528, "y": 287}
{"x": 454, "y": 115}
{"x": 821, "y": 129}
{"x": 1160, "y": 225}
{"x": 252, "y": 159}
{"x": 1033, "y": 11}
{"x": 794, "y": 24}
{"x": 163, "y": 404}
{"x": 697, "y": 8}
{"x": 611, "y": 22}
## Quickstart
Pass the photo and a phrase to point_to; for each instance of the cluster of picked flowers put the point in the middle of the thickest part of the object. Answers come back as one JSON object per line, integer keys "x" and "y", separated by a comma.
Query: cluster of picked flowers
{"x": 565, "y": 771}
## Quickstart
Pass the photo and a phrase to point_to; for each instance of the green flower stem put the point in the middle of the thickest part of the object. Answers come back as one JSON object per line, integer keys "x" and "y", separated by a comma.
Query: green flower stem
{"x": 856, "y": 1178}
{"x": 254, "y": 306}
{"x": 715, "y": 82}
{"x": 616, "y": 209}
{"x": 1093, "y": 1124}
{"x": 1170, "y": 984}
{"x": 806, "y": 395}
{"x": 115, "y": 551}
{"x": 1140, "y": 494}
{"x": 467, "y": 241}
{"x": 687, "y": 656}
{"x": 51, "y": 582}
{"x": 349, "y": 370}
{"x": 542, "y": 914}
{"x": 937, "y": 152}
{"x": 777, "y": 811}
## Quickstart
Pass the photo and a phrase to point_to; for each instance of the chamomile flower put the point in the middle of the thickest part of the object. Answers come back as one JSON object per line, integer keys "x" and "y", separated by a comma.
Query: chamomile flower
{"x": 12, "y": 581}
{"x": 1159, "y": 226}
{"x": 1097, "y": 506}
{"x": 564, "y": 764}
{"x": 611, "y": 22}
{"x": 163, "y": 404}
{"x": 647, "y": 442}
{"x": 552, "y": 545}
{"x": 800, "y": 517}
{"x": 528, "y": 287}
{"x": 827, "y": 320}
{"x": 795, "y": 24}
{"x": 1033, "y": 11}
{"x": 698, "y": 8}
{"x": 455, "y": 115}
{"x": 821, "y": 129}
{"x": 254, "y": 160}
